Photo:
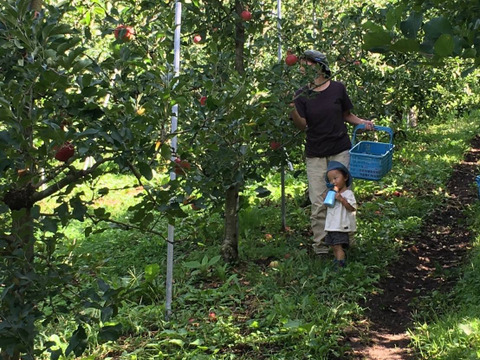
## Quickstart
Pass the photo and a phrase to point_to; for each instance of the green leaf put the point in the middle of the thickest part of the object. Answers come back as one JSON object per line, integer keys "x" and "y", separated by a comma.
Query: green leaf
{"x": 62, "y": 210}
{"x": 178, "y": 342}
{"x": 148, "y": 219}
{"x": 372, "y": 27}
{"x": 49, "y": 224}
{"x": 145, "y": 170}
{"x": 394, "y": 15}
{"x": 79, "y": 209}
{"x": 166, "y": 151}
{"x": 378, "y": 40}
{"x": 78, "y": 342}
{"x": 104, "y": 191}
{"x": 436, "y": 27}
{"x": 192, "y": 264}
{"x": 197, "y": 342}
{"x": 109, "y": 333}
{"x": 444, "y": 45}
{"x": 214, "y": 260}
{"x": 103, "y": 285}
{"x": 82, "y": 64}
{"x": 292, "y": 324}
{"x": 106, "y": 313}
{"x": 100, "y": 212}
{"x": 411, "y": 26}
{"x": 88, "y": 231}
{"x": 262, "y": 192}
{"x": 151, "y": 272}
{"x": 406, "y": 45}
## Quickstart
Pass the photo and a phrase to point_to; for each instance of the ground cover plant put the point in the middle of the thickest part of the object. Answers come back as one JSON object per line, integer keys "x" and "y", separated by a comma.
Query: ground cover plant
{"x": 89, "y": 96}
{"x": 280, "y": 302}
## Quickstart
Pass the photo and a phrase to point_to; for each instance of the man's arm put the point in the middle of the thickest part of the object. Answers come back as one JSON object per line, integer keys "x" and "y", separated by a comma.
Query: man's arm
{"x": 298, "y": 121}
{"x": 355, "y": 120}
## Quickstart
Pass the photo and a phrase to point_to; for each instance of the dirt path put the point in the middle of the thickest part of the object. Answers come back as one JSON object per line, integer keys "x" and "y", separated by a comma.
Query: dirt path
{"x": 442, "y": 244}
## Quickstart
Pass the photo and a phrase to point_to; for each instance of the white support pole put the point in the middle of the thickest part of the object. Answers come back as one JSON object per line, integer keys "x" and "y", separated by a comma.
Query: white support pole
{"x": 279, "y": 27}
{"x": 282, "y": 170}
{"x": 174, "y": 124}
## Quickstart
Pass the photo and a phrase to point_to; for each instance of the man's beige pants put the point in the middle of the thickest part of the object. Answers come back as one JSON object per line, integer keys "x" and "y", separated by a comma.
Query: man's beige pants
{"x": 316, "y": 171}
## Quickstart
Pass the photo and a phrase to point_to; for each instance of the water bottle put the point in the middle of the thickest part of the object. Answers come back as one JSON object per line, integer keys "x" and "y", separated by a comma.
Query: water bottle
{"x": 330, "y": 198}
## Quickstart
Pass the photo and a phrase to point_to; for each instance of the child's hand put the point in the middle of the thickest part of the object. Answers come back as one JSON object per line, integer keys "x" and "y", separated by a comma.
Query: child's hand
{"x": 338, "y": 197}
{"x": 324, "y": 195}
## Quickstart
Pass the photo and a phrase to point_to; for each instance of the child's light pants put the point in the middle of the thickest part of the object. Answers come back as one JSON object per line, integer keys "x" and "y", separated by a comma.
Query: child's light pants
{"x": 316, "y": 171}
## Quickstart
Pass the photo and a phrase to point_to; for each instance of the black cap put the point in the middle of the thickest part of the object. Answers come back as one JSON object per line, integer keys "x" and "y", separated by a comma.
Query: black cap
{"x": 319, "y": 58}
{"x": 335, "y": 165}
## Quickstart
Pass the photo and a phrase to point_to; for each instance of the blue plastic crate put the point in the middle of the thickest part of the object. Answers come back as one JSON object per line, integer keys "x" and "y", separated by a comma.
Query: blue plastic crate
{"x": 370, "y": 160}
{"x": 477, "y": 179}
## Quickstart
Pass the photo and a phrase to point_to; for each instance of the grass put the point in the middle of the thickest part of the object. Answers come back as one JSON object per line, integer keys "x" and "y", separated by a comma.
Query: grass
{"x": 279, "y": 302}
{"x": 455, "y": 332}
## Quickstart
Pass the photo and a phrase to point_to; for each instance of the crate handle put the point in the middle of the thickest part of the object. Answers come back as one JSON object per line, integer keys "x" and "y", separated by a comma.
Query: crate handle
{"x": 376, "y": 128}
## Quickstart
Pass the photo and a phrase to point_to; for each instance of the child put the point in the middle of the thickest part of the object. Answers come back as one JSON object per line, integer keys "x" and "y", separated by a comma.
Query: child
{"x": 340, "y": 219}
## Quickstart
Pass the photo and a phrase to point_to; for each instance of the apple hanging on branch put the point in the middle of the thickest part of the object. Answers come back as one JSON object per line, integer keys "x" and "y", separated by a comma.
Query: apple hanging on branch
{"x": 123, "y": 33}
{"x": 203, "y": 100}
{"x": 275, "y": 145}
{"x": 197, "y": 38}
{"x": 65, "y": 152}
{"x": 181, "y": 166}
{"x": 246, "y": 15}
{"x": 291, "y": 59}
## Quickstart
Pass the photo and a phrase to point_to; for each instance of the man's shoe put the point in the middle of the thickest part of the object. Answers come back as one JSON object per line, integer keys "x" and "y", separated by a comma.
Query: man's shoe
{"x": 320, "y": 249}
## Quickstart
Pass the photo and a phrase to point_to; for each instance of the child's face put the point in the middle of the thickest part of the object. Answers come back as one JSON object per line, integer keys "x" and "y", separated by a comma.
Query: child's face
{"x": 337, "y": 178}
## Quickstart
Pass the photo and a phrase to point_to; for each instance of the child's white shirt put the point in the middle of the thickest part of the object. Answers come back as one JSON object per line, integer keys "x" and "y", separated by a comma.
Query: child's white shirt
{"x": 339, "y": 218}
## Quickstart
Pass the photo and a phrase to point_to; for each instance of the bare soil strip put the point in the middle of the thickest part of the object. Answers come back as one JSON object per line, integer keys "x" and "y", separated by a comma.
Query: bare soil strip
{"x": 442, "y": 244}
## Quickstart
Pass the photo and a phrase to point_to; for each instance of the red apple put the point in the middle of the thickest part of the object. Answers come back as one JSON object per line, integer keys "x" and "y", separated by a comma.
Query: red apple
{"x": 181, "y": 166}
{"x": 184, "y": 164}
{"x": 268, "y": 237}
{"x": 357, "y": 62}
{"x": 397, "y": 193}
{"x": 197, "y": 38}
{"x": 65, "y": 152}
{"x": 274, "y": 145}
{"x": 291, "y": 59}
{"x": 246, "y": 15}
{"x": 124, "y": 33}
{"x": 194, "y": 207}
{"x": 212, "y": 316}
{"x": 203, "y": 100}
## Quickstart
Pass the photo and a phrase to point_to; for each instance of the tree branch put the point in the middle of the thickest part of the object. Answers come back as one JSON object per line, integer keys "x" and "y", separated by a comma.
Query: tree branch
{"x": 71, "y": 177}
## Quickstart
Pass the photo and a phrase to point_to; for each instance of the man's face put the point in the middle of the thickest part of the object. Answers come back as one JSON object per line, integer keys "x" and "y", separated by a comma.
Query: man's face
{"x": 307, "y": 67}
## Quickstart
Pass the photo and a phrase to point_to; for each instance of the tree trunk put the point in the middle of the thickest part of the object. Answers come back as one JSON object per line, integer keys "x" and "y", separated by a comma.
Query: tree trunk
{"x": 20, "y": 255}
{"x": 239, "y": 40}
{"x": 230, "y": 241}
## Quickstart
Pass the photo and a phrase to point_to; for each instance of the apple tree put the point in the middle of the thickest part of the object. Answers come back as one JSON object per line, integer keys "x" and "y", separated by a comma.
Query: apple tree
{"x": 80, "y": 80}
{"x": 437, "y": 30}
{"x": 240, "y": 93}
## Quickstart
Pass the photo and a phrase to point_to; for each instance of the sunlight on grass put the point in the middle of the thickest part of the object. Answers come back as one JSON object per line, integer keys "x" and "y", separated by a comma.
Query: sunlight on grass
{"x": 279, "y": 299}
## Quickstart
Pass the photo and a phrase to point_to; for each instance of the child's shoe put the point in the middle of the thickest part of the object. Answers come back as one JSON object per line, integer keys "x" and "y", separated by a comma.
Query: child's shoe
{"x": 338, "y": 264}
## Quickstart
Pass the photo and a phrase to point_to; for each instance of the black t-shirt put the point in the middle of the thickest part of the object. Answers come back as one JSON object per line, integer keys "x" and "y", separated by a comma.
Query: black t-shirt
{"x": 326, "y": 129}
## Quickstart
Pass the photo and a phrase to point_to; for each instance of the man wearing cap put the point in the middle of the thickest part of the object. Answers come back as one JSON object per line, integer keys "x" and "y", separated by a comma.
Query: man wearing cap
{"x": 322, "y": 108}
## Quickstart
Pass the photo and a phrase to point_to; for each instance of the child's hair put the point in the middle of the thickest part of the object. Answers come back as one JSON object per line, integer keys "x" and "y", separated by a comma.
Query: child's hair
{"x": 345, "y": 174}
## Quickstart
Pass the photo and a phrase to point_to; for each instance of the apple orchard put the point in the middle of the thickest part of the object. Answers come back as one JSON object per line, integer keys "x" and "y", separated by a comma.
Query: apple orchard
{"x": 90, "y": 92}
{"x": 88, "y": 89}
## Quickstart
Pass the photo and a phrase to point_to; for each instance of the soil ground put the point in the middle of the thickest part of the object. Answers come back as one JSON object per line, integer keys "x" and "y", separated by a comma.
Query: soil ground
{"x": 442, "y": 244}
